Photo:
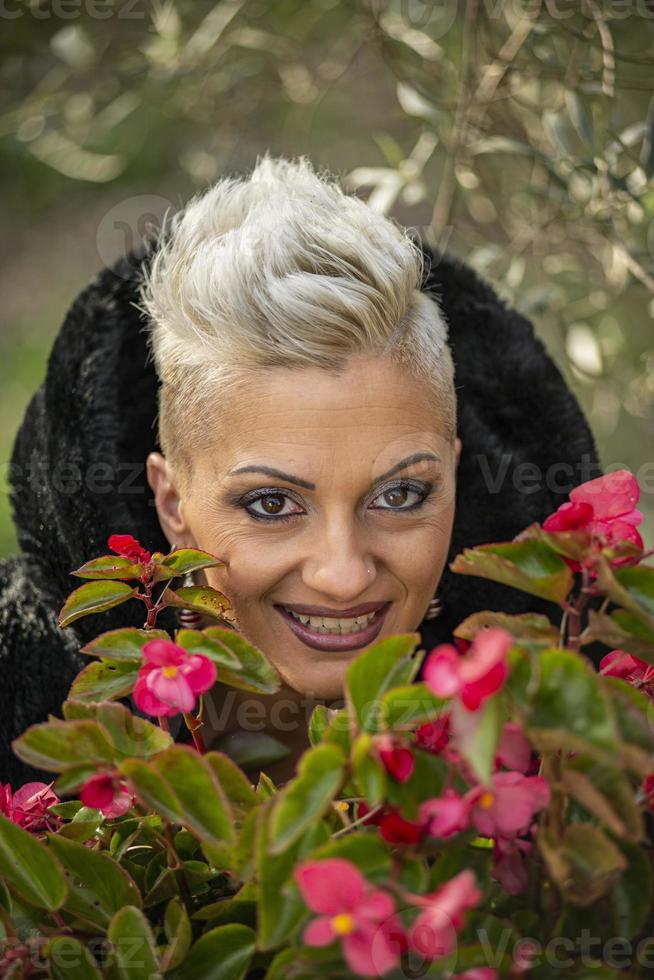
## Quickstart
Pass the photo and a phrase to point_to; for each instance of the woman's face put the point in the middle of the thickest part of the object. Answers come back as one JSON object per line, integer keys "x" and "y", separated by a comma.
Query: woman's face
{"x": 332, "y": 492}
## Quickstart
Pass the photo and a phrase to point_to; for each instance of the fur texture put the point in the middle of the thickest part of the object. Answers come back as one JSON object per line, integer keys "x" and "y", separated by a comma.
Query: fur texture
{"x": 78, "y": 471}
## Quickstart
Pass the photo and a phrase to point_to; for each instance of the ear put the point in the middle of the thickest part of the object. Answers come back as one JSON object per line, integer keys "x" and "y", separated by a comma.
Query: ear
{"x": 168, "y": 502}
{"x": 457, "y": 449}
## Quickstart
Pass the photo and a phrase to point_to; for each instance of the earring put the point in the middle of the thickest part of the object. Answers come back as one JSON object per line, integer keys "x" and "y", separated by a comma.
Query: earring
{"x": 188, "y": 618}
{"x": 435, "y": 607}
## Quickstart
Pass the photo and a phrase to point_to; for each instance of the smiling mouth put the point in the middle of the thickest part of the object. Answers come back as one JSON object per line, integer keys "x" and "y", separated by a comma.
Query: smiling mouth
{"x": 331, "y": 633}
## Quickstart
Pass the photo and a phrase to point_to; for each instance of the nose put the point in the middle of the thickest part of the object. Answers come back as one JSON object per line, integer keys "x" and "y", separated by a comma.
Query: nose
{"x": 339, "y": 566}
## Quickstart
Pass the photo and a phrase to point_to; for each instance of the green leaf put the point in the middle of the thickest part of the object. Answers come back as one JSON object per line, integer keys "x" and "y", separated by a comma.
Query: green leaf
{"x": 94, "y": 597}
{"x": 235, "y": 785}
{"x": 605, "y": 793}
{"x": 369, "y": 773}
{"x": 205, "y": 808}
{"x": 109, "y": 567}
{"x": 56, "y": 745}
{"x": 531, "y": 566}
{"x": 186, "y": 560}
{"x": 199, "y": 598}
{"x": 631, "y": 588}
{"x": 477, "y": 734}
{"x": 530, "y": 627}
{"x": 365, "y": 849}
{"x": 29, "y": 868}
{"x": 570, "y": 707}
{"x": 70, "y": 960}
{"x": 153, "y": 791}
{"x": 178, "y": 933}
{"x": 318, "y": 722}
{"x": 631, "y": 709}
{"x": 256, "y": 673}
{"x": 123, "y": 644}
{"x": 280, "y": 908}
{"x": 223, "y": 953}
{"x": 102, "y": 681}
{"x": 130, "y": 735}
{"x": 632, "y": 893}
{"x": 98, "y": 886}
{"x": 197, "y": 641}
{"x": 620, "y": 630}
{"x": 303, "y": 801}
{"x": 387, "y": 664}
{"x": 252, "y": 750}
{"x": 133, "y": 954}
{"x": 411, "y": 706}
{"x": 584, "y": 865}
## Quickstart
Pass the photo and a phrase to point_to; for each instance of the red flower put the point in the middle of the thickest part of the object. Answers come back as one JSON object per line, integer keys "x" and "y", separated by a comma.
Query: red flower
{"x": 352, "y": 911}
{"x": 434, "y": 736}
{"x": 28, "y": 806}
{"x": 171, "y": 679}
{"x": 393, "y": 828}
{"x": 129, "y": 547}
{"x": 396, "y": 758}
{"x": 473, "y": 676}
{"x": 107, "y": 792}
{"x": 606, "y": 508}
{"x": 434, "y": 933}
{"x": 638, "y": 673}
{"x": 648, "y": 791}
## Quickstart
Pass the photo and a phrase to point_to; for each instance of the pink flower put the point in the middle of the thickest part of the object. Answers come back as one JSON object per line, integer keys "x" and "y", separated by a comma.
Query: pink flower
{"x": 606, "y": 508}
{"x": 473, "y": 676}
{"x": 513, "y": 751}
{"x": 445, "y": 815}
{"x": 352, "y": 911}
{"x": 107, "y": 792}
{"x": 128, "y": 547}
{"x": 171, "y": 679}
{"x": 434, "y": 932}
{"x": 28, "y": 806}
{"x": 506, "y": 808}
{"x": 510, "y": 867}
{"x": 396, "y": 758}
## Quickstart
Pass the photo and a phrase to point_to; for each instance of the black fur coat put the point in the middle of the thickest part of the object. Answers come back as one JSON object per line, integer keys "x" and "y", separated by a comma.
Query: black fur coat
{"x": 78, "y": 471}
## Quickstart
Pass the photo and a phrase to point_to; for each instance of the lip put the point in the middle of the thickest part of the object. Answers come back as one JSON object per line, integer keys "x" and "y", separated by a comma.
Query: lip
{"x": 332, "y": 641}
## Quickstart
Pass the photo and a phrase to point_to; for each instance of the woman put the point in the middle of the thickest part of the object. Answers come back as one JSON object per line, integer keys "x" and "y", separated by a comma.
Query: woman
{"x": 341, "y": 410}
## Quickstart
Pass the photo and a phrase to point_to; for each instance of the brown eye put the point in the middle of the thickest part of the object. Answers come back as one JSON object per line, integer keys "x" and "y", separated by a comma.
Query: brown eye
{"x": 273, "y": 503}
{"x": 397, "y": 496}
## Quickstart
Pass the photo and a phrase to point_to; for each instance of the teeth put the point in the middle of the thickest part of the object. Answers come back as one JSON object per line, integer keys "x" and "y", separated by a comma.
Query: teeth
{"x": 328, "y": 624}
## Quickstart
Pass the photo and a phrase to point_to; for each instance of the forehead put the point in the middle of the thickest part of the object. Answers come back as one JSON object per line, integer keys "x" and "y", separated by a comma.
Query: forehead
{"x": 374, "y": 410}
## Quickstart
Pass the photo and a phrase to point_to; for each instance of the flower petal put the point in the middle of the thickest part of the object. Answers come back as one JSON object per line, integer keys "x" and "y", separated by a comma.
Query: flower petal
{"x": 330, "y": 886}
{"x": 441, "y": 670}
{"x": 200, "y": 673}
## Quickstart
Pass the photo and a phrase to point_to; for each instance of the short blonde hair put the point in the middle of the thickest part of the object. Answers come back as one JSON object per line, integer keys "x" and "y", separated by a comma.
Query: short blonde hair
{"x": 282, "y": 269}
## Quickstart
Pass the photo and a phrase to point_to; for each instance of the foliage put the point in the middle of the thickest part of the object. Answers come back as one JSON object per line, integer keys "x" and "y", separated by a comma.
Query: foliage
{"x": 470, "y": 824}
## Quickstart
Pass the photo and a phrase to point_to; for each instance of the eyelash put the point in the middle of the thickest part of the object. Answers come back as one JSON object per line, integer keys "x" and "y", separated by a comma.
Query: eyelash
{"x": 423, "y": 489}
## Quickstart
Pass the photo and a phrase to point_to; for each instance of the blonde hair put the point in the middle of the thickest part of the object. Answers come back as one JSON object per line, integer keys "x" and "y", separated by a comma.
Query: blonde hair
{"x": 282, "y": 269}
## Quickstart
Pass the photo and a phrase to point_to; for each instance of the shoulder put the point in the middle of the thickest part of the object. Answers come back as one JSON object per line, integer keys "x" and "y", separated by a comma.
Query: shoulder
{"x": 38, "y": 661}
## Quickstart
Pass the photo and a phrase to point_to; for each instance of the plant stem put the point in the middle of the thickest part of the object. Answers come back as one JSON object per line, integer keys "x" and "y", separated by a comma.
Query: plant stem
{"x": 194, "y": 725}
{"x": 175, "y": 865}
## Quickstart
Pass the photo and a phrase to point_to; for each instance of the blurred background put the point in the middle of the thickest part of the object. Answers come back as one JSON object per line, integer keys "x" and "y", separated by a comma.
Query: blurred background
{"x": 518, "y": 135}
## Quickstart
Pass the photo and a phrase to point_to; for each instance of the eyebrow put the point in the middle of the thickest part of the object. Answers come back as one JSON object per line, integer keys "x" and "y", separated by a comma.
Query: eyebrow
{"x": 278, "y": 474}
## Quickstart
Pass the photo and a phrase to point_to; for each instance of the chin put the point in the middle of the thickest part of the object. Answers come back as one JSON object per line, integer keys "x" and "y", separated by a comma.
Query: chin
{"x": 318, "y": 681}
